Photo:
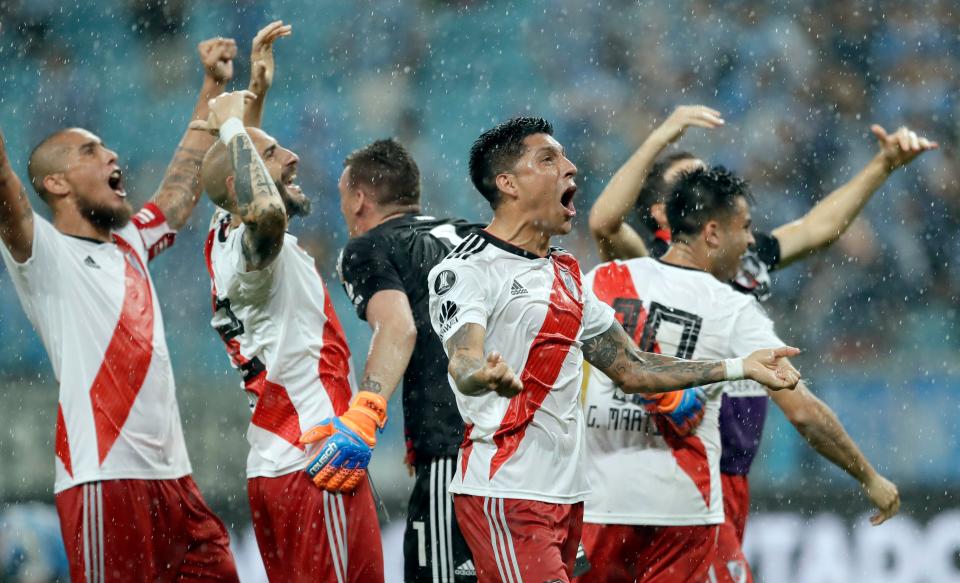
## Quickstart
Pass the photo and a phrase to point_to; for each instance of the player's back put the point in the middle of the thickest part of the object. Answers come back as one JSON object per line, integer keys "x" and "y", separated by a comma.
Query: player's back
{"x": 95, "y": 308}
{"x": 399, "y": 254}
{"x": 641, "y": 471}
{"x": 282, "y": 333}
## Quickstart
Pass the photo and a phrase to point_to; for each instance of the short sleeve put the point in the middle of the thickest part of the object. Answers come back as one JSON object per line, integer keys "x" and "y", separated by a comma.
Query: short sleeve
{"x": 38, "y": 274}
{"x": 156, "y": 234}
{"x": 229, "y": 268}
{"x": 365, "y": 268}
{"x": 597, "y": 316}
{"x": 767, "y": 248}
{"x": 752, "y": 330}
{"x": 458, "y": 296}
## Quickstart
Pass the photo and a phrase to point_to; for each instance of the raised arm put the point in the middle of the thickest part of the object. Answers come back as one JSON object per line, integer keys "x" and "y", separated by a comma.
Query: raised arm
{"x": 819, "y": 425}
{"x": 259, "y": 204}
{"x": 16, "y": 215}
{"x": 180, "y": 188}
{"x": 615, "y": 353}
{"x": 473, "y": 372}
{"x": 616, "y": 239}
{"x": 262, "y": 69}
{"x": 394, "y": 337}
{"x": 832, "y": 216}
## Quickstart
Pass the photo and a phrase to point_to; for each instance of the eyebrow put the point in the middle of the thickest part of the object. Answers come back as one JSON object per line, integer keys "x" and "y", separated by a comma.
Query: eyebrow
{"x": 271, "y": 148}
{"x": 551, "y": 147}
{"x": 89, "y": 146}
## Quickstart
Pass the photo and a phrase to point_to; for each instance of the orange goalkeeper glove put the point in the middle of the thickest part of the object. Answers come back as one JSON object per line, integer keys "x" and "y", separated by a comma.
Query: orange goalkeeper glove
{"x": 342, "y": 460}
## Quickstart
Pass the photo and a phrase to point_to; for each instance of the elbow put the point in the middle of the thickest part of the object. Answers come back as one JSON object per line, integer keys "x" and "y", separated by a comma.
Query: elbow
{"x": 600, "y": 226}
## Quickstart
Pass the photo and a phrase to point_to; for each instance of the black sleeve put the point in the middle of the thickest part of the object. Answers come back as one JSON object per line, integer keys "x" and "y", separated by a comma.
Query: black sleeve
{"x": 768, "y": 249}
{"x": 365, "y": 268}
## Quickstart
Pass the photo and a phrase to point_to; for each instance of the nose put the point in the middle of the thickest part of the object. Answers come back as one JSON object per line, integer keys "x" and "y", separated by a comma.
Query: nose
{"x": 569, "y": 170}
{"x": 111, "y": 155}
{"x": 750, "y": 240}
{"x": 292, "y": 157}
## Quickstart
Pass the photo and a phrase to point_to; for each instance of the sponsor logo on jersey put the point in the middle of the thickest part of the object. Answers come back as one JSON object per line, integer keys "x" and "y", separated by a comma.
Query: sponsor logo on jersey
{"x": 448, "y": 310}
{"x": 466, "y": 569}
{"x": 517, "y": 290}
{"x": 89, "y": 262}
{"x": 445, "y": 282}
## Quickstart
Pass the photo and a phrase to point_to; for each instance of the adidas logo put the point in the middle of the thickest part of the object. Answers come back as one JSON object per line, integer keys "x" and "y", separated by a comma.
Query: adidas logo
{"x": 466, "y": 569}
{"x": 517, "y": 290}
{"x": 89, "y": 262}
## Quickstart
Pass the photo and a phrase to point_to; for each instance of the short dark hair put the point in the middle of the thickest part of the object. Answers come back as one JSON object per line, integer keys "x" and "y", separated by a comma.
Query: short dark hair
{"x": 655, "y": 188}
{"x": 703, "y": 195}
{"x": 389, "y": 169}
{"x": 498, "y": 149}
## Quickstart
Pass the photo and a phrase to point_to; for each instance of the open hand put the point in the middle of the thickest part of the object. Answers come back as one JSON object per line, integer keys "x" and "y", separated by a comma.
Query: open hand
{"x": 884, "y": 495}
{"x": 261, "y": 55}
{"x": 685, "y": 116}
{"x": 217, "y": 56}
{"x": 222, "y": 108}
{"x": 498, "y": 377}
{"x": 770, "y": 367}
{"x": 901, "y": 147}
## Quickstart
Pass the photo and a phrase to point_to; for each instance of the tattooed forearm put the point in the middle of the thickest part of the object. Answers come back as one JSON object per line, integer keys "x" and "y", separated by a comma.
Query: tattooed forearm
{"x": 615, "y": 353}
{"x": 259, "y": 203}
{"x": 252, "y": 179}
{"x": 368, "y": 384}
{"x": 466, "y": 360}
{"x": 180, "y": 189}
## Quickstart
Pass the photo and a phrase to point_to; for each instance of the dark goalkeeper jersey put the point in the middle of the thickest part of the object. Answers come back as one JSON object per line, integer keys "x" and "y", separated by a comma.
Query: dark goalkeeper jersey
{"x": 398, "y": 255}
{"x": 744, "y": 408}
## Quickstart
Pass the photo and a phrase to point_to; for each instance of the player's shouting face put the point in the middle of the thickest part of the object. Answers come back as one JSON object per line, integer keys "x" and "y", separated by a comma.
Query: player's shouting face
{"x": 544, "y": 184}
{"x": 733, "y": 234}
{"x": 282, "y": 165}
{"x": 76, "y": 165}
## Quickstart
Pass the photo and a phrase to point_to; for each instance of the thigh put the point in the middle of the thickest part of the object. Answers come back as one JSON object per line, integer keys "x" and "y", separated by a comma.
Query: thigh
{"x": 677, "y": 554}
{"x": 730, "y": 564}
{"x": 613, "y": 550}
{"x": 208, "y": 556}
{"x": 308, "y": 534}
{"x": 434, "y": 549}
{"x": 516, "y": 540}
{"x": 736, "y": 502}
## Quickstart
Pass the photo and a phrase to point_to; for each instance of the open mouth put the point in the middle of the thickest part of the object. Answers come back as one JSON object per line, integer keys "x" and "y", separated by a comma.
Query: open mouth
{"x": 290, "y": 183}
{"x": 566, "y": 199}
{"x": 115, "y": 182}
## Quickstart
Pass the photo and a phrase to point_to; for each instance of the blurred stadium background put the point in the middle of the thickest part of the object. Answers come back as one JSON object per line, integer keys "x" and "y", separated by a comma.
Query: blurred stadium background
{"x": 798, "y": 82}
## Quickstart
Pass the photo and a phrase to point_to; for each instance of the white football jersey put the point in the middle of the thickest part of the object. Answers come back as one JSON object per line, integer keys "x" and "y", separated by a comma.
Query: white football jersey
{"x": 282, "y": 333}
{"x": 536, "y": 313}
{"x": 639, "y": 474}
{"x": 95, "y": 308}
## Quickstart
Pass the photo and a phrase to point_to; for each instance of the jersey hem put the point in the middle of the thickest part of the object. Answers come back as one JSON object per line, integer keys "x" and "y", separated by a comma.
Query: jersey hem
{"x": 520, "y": 495}
{"x": 125, "y": 475}
{"x": 634, "y": 520}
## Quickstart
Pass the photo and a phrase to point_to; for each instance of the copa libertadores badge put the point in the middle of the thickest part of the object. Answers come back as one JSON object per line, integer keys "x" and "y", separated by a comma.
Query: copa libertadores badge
{"x": 445, "y": 281}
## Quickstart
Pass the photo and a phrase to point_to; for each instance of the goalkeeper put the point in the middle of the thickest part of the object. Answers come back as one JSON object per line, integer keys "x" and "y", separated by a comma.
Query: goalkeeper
{"x": 273, "y": 312}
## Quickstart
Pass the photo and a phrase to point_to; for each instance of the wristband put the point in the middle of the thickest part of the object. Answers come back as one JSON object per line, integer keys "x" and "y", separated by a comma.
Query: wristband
{"x": 733, "y": 368}
{"x": 230, "y": 129}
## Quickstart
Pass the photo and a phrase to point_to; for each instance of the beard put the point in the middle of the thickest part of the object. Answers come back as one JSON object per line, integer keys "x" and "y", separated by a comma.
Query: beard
{"x": 104, "y": 217}
{"x": 296, "y": 205}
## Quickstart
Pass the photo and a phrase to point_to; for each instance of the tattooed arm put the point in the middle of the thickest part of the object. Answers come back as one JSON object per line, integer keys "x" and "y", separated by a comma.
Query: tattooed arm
{"x": 475, "y": 374}
{"x": 16, "y": 214}
{"x": 180, "y": 189}
{"x": 615, "y": 353}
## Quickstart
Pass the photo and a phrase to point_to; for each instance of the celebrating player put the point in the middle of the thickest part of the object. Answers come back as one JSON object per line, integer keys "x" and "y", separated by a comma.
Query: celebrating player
{"x": 663, "y": 523}
{"x": 273, "y": 312}
{"x": 505, "y": 301}
{"x": 384, "y": 270}
{"x": 129, "y": 510}
{"x": 743, "y": 412}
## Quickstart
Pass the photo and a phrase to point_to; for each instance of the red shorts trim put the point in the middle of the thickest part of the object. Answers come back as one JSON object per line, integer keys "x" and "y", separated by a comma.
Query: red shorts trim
{"x": 513, "y": 541}
{"x": 310, "y": 535}
{"x": 143, "y": 530}
{"x": 648, "y": 554}
{"x": 736, "y": 502}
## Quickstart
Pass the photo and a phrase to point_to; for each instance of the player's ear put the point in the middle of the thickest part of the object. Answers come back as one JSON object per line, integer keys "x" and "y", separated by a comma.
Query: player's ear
{"x": 658, "y": 211}
{"x": 55, "y": 184}
{"x": 711, "y": 234}
{"x": 507, "y": 184}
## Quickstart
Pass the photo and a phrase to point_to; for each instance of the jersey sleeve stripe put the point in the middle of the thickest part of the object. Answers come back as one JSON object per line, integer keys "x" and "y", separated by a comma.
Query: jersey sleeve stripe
{"x": 156, "y": 234}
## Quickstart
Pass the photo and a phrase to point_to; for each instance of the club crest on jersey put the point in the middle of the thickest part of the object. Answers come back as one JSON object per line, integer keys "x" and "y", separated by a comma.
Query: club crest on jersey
{"x": 571, "y": 284}
{"x": 445, "y": 282}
